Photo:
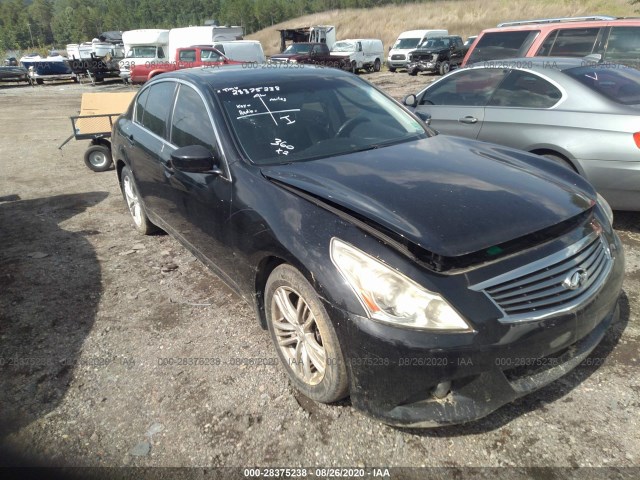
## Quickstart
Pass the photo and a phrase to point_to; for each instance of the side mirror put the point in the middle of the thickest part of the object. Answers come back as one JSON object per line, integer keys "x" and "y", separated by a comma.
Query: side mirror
{"x": 410, "y": 101}
{"x": 425, "y": 117}
{"x": 195, "y": 159}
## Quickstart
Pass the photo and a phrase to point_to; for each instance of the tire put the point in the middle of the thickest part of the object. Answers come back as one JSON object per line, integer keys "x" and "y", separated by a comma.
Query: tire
{"x": 98, "y": 158}
{"x": 376, "y": 65}
{"x": 354, "y": 68}
{"x": 39, "y": 81}
{"x": 559, "y": 160}
{"x": 413, "y": 72}
{"x": 444, "y": 68}
{"x": 285, "y": 289}
{"x": 392, "y": 69}
{"x": 134, "y": 203}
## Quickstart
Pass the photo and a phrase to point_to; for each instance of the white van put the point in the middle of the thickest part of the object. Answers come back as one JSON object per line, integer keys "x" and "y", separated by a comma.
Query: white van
{"x": 148, "y": 45}
{"x": 407, "y": 41}
{"x": 366, "y": 53}
{"x": 242, "y": 50}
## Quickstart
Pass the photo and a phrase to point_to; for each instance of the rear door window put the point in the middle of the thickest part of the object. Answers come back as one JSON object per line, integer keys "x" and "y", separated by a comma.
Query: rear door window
{"x": 499, "y": 45}
{"x": 570, "y": 42}
{"x": 525, "y": 90}
{"x": 141, "y": 101}
{"x": 158, "y": 106}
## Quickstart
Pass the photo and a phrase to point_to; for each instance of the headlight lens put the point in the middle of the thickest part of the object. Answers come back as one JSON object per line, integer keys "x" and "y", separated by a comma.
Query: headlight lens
{"x": 389, "y": 296}
{"x": 606, "y": 208}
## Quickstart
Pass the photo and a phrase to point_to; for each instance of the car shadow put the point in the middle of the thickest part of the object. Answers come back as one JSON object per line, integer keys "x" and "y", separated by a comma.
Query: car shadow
{"x": 548, "y": 394}
{"x": 626, "y": 221}
{"x": 50, "y": 280}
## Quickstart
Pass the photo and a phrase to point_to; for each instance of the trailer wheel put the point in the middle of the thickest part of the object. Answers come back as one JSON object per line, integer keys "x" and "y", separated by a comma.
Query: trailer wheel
{"x": 376, "y": 65}
{"x": 98, "y": 158}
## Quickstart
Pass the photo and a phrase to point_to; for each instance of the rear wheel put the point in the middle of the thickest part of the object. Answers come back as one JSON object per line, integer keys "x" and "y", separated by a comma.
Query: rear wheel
{"x": 136, "y": 208}
{"x": 304, "y": 337}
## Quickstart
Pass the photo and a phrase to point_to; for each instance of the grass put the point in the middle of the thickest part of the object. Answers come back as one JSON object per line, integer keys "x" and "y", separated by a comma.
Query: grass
{"x": 462, "y": 17}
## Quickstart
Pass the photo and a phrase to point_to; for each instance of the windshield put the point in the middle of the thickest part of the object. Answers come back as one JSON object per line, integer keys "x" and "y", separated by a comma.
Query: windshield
{"x": 344, "y": 47}
{"x": 616, "y": 82}
{"x": 293, "y": 120}
{"x": 142, "y": 52}
{"x": 434, "y": 42}
{"x": 298, "y": 48}
{"x": 406, "y": 43}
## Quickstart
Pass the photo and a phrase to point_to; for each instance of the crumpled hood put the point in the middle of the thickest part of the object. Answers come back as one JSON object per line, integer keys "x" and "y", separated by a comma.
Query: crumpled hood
{"x": 449, "y": 195}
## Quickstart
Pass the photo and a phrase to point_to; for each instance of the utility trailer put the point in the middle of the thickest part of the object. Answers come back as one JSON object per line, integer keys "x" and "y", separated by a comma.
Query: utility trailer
{"x": 95, "y": 124}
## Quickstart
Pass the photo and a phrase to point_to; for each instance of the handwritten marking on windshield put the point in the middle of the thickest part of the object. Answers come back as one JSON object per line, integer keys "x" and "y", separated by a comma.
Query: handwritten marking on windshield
{"x": 259, "y": 96}
{"x": 595, "y": 76}
{"x": 268, "y": 113}
{"x": 283, "y": 146}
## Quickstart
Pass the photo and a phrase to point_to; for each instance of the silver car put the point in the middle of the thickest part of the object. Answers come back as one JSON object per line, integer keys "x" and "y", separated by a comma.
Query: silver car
{"x": 576, "y": 112}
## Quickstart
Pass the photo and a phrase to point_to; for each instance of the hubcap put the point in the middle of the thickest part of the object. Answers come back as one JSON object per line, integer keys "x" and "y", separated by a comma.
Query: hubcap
{"x": 298, "y": 335}
{"x": 97, "y": 159}
{"x": 132, "y": 200}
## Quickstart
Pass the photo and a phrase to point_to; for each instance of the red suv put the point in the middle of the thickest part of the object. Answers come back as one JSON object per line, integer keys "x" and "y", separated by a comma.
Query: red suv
{"x": 610, "y": 39}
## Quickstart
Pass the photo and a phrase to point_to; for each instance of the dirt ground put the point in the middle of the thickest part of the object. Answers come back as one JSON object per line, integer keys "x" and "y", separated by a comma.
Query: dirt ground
{"x": 89, "y": 310}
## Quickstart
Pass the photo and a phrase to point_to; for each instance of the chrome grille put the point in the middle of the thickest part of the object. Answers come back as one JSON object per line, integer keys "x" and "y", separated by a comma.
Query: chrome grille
{"x": 397, "y": 57}
{"x": 553, "y": 284}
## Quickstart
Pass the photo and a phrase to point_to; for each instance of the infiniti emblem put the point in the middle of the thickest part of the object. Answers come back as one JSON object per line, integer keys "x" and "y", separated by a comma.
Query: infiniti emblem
{"x": 575, "y": 279}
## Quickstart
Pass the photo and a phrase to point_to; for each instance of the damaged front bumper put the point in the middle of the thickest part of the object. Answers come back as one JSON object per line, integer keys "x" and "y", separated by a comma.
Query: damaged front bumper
{"x": 411, "y": 378}
{"x": 423, "y": 66}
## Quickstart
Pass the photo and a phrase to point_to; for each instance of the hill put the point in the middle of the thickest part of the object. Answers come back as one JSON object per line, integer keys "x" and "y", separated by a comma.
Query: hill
{"x": 464, "y": 18}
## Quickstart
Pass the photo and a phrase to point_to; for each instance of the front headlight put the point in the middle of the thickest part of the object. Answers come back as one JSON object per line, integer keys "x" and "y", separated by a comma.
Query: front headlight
{"x": 435, "y": 57}
{"x": 389, "y": 296}
{"x": 606, "y": 208}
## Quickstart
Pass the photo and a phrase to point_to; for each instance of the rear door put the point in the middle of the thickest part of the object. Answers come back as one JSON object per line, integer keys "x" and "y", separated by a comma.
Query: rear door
{"x": 456, "y": 102}
{"x": 149, "y": 146}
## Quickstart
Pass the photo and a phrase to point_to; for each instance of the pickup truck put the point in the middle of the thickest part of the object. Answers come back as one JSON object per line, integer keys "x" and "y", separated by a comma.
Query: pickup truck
{"x": 314, "y": 54}
{"x": 185, "y": 58}
{"x": 437, "y": 55}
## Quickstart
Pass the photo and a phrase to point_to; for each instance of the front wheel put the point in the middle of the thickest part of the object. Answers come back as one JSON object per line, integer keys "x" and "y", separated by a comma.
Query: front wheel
{"x": 136, "y": 208}
{"x": 376, "y": 65}
{"x": 444, "y": 68}
{"x": 304, "y": 337}
{"x": 98, "y": 158}
{"x": 392, "y": 69}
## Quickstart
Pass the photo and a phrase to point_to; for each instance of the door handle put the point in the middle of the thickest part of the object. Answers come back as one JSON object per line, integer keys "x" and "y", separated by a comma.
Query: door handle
{"x": 130, "y": 139}
{"x": 468, "y": 119}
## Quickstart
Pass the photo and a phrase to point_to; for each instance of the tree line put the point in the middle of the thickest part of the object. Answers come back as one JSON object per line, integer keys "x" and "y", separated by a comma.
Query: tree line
{"x": 42, "y": 23}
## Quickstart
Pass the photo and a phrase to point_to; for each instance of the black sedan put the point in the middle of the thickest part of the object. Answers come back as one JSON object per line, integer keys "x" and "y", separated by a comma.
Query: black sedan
{"x": 431, "y": 278}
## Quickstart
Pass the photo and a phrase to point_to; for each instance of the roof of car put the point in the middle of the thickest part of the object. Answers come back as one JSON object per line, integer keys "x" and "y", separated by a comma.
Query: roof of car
{"x": 537, "y": 63}
{"x": 242, "y": 76}
{"x": 554, "y": 25}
